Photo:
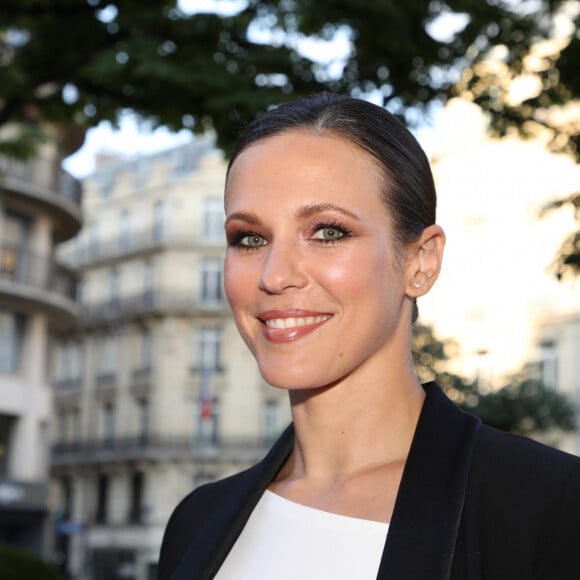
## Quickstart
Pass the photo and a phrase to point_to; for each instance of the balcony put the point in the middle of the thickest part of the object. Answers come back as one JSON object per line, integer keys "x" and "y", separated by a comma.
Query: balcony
{"x": 148, "y": 303}
{"x": 31, "y": 281}
{"x": 68, "y": 386}
{"x": 25, "y": 496}
{"x": 158, "y": 448}
{"x": 140, "y": 381}
{"x": 147, "y": 240}
{"x": 44, "y": 183}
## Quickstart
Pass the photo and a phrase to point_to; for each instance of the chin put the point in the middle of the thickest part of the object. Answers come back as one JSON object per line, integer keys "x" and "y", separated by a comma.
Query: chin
{"x": 292, "y": 381}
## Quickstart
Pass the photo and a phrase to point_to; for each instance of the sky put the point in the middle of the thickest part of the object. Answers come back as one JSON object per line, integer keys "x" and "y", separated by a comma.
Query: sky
{"x": 129, "y": 140}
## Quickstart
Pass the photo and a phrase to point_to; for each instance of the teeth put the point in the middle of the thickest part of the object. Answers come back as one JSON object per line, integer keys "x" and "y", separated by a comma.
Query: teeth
{"x": 282, "y": 323}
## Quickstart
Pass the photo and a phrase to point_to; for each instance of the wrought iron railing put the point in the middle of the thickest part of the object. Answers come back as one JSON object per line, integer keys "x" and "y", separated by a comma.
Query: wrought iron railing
{"x": 42, "y": 173}
{"x": 20, "y": 265}
{"x": 151, "y": 448}
{"x": 148, "y": 301}
{"x": 89, "y": 250}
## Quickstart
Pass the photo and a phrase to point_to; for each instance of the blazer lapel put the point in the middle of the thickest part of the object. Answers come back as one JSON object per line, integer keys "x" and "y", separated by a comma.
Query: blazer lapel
{"x": 208, "y": 550}
{"x": 423, "y": 530}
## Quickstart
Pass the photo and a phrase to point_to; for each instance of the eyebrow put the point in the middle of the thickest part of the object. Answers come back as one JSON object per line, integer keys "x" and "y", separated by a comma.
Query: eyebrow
{"x": 310, "y": 210}
{"x": 303, "y": 213}
{"x": 243, "y": 216}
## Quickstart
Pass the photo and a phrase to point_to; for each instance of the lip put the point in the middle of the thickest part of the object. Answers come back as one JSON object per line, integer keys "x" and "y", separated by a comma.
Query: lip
{"x": 280, "y": 326}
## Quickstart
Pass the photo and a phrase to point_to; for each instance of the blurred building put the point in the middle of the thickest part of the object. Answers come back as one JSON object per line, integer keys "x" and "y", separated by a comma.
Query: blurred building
{"x": 39, "y": 206}
{"x": 497, "y": 294}
{"x": 558, "y": 347}
{"x": 155, "y": 393}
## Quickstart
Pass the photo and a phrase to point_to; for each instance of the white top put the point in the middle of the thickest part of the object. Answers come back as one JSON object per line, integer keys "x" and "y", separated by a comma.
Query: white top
{"x": 289, "y": 541}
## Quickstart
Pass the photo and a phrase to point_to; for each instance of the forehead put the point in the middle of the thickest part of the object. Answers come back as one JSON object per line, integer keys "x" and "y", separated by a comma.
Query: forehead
{"x": 300, "y": 162}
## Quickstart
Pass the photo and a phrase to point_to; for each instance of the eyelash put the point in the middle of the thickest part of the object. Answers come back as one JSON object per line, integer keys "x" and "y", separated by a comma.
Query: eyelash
{"x": 236, "y": 240}
{"x": 333, "y": 225}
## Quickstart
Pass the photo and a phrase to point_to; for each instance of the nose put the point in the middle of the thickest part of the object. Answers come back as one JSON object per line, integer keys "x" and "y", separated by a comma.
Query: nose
{"x": 282, "y": 270}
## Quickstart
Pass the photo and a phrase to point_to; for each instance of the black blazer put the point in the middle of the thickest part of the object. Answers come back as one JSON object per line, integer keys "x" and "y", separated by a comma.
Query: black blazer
{"x": 473, "y": 504}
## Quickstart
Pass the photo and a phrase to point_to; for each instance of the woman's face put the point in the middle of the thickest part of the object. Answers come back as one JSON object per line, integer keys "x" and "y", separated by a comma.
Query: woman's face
{"x": 311, "y": 271}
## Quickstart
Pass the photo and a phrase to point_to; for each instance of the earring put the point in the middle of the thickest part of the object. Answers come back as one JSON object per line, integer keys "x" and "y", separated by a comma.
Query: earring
{"x": 416, "y": 285}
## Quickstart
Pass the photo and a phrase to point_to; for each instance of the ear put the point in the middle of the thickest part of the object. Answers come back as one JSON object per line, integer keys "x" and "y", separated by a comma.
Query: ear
{"x": 424, "y": 257}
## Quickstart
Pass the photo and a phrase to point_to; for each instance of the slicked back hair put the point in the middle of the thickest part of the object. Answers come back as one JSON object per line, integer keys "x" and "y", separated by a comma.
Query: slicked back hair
{"x": 408, "y": 190}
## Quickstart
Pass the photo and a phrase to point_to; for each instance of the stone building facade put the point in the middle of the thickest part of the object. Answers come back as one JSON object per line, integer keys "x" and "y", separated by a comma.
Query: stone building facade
{"x": 40, "y": 205}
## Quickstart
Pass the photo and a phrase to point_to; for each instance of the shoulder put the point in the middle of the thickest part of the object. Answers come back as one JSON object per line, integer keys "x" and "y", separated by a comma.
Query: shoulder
{"x": 189, "y": 516}
{"x": 519, "y": 473}
{"x": 526, "y": 498}
{"x": 507, "y": 454}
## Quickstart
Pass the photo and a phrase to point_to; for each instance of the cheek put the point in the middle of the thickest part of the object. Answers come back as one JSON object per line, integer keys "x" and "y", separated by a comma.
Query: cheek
{"x": 238, "y": 278}
{"x": 359, "y": 271}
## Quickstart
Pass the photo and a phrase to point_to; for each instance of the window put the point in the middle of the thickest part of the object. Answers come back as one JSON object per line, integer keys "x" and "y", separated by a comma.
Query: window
{"x": 211, "y": 281}
{"x": 67, "y": 425}
{"x": 107, "y": 363}
{"x": 78, "y": 250}
{"x": 143, "y": 358}
{"x": 125, "y": 231}
{"x": 145, "y": 349}
{"x": 69, "y": 362}
{"x": 94, "y": 240}
{"x": 549, "y": 364}
{"x": 107, "y": 183}
{"x": 141, "y": 173}
{"x": 209, "y": 349}
{"x": 213, "y": 218}
{"x": 7, "y": 425}
{"x": 15, "y": 263}
{"x": 66, "y": 497}
{"x": 75, "y": 420}
{"x": 108, "y": 424}
{"x": 102, "y": 499}
{"x": 114, "y": 285}
{"x": 61, "y": 426}
{"x": 144, "y": 417}
{"x": 16, "y": 228}
{"x": 136, "y": 494}
{"x": 184, "y": 161}
{"x": 8, "y": 262}
{"x": 12, "y": 327}
{"x": 148, "y": 283}
{"x": 208, "y": 422}
{"x": 159, "y": 221}
{"x": 76, "y": 361}
{"x": 81, "y": 291}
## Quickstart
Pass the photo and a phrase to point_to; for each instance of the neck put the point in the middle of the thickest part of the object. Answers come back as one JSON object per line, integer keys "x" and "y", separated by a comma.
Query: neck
{"x": 354, "y": 425}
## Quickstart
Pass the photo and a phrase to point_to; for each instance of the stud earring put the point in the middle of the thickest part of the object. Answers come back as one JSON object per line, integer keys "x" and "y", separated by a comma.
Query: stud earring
{"x": 416, "y": 285}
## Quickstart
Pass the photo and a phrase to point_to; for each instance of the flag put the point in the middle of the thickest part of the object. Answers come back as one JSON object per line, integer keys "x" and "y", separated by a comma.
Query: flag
{"x": 205, "y": 395}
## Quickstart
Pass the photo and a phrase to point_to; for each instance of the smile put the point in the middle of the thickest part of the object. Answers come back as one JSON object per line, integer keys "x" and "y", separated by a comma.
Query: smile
{"x": 284, "y": 323}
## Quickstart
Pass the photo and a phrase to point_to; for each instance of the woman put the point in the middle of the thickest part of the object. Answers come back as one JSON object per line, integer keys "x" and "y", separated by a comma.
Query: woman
{"x": 330, "y": 223}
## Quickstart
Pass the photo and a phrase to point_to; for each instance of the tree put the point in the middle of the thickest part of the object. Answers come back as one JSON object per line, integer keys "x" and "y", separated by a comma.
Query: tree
{"x": 83, "y": 61}
{"x": 71, "y": 61}
{"x": 568, "y": 258}
{"x": 16, "y": 564}
{"x": 524, "y": 405}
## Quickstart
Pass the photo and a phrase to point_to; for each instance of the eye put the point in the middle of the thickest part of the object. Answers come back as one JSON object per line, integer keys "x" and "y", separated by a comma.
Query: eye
{"x": 329, "y": 233}
{"x": 252, "y": 241}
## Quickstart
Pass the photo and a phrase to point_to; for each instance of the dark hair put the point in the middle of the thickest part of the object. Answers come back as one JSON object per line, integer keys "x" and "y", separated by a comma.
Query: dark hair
{"x": 409, "y": 191}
